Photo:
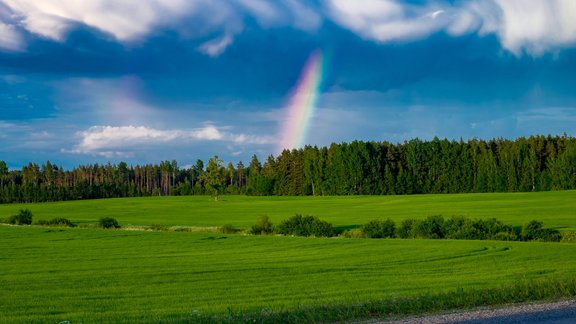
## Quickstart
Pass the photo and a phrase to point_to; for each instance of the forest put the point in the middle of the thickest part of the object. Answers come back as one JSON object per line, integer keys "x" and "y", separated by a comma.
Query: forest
{"x": 536, "y": 163}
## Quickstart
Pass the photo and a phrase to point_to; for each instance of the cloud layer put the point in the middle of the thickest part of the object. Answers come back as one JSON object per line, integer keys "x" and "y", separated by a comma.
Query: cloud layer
{"x": 122, "y": 141}
{"x": 531, "y": 26}
{"x": 523, "y": 26}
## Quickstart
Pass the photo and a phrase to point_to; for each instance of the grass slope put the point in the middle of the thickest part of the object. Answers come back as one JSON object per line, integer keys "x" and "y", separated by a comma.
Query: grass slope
{"x": 91, "y": 275}
{"x": 555, "y": 209}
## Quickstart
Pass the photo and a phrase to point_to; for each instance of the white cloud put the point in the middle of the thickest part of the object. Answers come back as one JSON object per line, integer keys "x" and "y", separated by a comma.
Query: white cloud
{"x": 263, "y": 10}
{"x": 387, "y": 20}
{"x": 304, "y": 17}
{"x": 536, "y": 26}
{"x": 10, "y": 38}
{"x": 216, "y": 46}
{"x": 120, "y": 141}
{"x": 134, "y": 20}
{"x": 126, "y": 20}
{"x": 523, "y": 26}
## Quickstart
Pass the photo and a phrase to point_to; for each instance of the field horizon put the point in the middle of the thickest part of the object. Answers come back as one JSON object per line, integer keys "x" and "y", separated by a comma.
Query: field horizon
{"x": 557, "y": 209}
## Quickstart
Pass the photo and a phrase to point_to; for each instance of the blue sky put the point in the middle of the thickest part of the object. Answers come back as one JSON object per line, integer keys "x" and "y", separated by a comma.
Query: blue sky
{"x": 149, "y": 80}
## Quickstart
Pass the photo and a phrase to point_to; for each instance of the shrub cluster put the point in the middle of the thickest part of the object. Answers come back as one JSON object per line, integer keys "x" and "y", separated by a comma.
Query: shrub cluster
{"x": 568, "y": 236}
{"x": 299, "y": 225}
{"x": 534, "y": 231}
{"x": 459, "y": 228}
{"x": 24, "y": 217}
{"x": 58, "y": 221}
{"x": 264, "y": 226}
{"x": 108, "y": 222}
{"x": 379, "y": 229}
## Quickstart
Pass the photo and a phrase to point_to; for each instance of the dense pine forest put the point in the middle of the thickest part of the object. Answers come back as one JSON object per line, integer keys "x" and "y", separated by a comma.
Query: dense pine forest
{"x": 537, "y": 163}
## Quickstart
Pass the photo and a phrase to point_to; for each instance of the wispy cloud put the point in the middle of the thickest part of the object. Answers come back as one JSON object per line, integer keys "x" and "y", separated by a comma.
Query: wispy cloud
{"x": 133, "y": 20}
{"x": 523, "y": 26}
{"x": 125, "y": 20}
{"x": 122, "y": 141}
{"x": 216, "y": 46}
{"x": 387, "y": 20}
{"x": 10, "y": 38}
{"x": 533, "y": 27}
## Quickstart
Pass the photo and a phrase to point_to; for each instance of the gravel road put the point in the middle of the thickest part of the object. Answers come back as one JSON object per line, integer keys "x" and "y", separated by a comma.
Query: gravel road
{"x": 562, "y": 312}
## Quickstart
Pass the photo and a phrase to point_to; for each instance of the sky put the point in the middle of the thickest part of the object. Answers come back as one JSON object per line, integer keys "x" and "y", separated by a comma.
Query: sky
{"x": 144, "y": 81}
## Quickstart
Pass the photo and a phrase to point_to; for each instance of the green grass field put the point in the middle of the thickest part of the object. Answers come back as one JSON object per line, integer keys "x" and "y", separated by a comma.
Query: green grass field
{"x": 555, "y": 209}
{"x": 51, "y": 274}
{"x": 91, "y": 275}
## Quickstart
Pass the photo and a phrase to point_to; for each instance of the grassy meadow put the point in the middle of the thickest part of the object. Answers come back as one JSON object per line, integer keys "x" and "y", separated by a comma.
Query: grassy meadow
{"x": 53, "y": 274}
{"x": 91, "y": 275}
{"x": 556, "y": 209}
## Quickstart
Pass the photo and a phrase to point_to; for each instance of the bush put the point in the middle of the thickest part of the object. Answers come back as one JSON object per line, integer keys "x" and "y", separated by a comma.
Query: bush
{"x": 60, "y": 221}
{"x": 24, "y": 217}
{"x": 41, "y": 222}
{"x": 505, "y": 236}
{"x": 531, "y": 230}
{"x": 534, "y": 231}
{"x": 406, "y": 229}
{"x": 108, "y": 222}
{"x": 550, "y": 235}
{"x": 460, "y": 228}
{"x": 354, "y": 233}
{"x": 569, "y": 236}
{"x": 299, "y": 225}
{"x": 431, "y": 227}
{"x": 489, "y": 228}
{"x": 264, "y": 226}
{"x": 379, "y": 229}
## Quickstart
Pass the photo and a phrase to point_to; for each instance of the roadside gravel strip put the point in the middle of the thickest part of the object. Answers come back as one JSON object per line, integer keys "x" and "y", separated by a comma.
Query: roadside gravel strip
{"x": 556, "y": 312}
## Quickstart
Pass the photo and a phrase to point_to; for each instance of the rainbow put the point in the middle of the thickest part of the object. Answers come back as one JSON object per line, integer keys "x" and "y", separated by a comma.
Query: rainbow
{"x": 302, "y": 103}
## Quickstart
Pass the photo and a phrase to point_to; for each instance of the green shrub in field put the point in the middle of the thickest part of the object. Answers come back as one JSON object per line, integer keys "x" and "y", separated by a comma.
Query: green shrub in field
{"x": 406, "y": 229}
{"x": 568, "y": 236}
{"x": 263, "y": 226}
{"x": 108, "y": 222}
{"x": 24, "y": 217}
{"x": 60, "y": 221}
{"x": 354, "y": 233}
{"x": 534, "y": 231}
{"x": 505, "y": 236}
{"x": 489, "y": 228}
{"x": 299, "y": 225}
{"x": 460, "y": 228}
{"x": 531, "y": 230}
{"x": 379, "y": 229}
{"x": 431, "y": 227}
{"x": 41, "y": 222}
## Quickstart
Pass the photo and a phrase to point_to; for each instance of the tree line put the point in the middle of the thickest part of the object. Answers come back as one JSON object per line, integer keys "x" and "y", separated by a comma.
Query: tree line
{"x": 536, "y": 163}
